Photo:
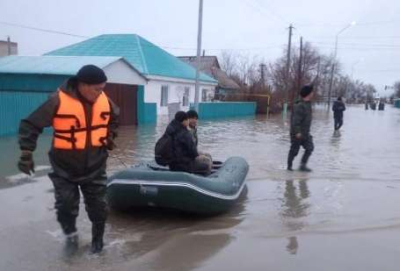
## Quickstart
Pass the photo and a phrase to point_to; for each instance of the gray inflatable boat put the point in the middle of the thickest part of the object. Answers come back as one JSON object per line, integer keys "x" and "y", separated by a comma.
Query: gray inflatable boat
{"x": 151, "y": 185}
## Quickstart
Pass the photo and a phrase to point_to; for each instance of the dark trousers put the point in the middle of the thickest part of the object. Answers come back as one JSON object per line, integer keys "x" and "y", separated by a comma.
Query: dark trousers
{"x": 306, "y": 143}
{"x": 67, "y": 200}
{"x": 338, "y": 122}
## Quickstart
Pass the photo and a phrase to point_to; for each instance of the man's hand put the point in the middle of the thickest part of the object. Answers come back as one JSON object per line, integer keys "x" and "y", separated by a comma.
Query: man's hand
{"x": 25, "y": 163}
{"x": 298, "y": 136}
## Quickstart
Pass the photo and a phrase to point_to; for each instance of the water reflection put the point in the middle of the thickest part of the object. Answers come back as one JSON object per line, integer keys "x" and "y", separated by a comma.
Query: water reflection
{"x": 336, "y": 138}
{"x": 294, "y": 208}
{"x": 174, "y": 241}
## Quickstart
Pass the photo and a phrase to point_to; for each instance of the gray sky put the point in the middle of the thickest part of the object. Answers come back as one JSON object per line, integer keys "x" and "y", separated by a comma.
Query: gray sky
{"x": 253, "y": 27}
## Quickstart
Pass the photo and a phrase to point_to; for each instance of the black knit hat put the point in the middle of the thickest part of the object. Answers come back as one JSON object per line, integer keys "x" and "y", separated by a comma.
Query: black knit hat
{"x": 91, "y": 75}
{"x": 306, "y": 90}
{"x": 192, "y": 114}
{"x": 181, "y": 116}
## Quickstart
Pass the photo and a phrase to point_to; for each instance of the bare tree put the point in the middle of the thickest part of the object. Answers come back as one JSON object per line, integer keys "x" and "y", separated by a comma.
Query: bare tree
{"x": 315, "y": 68}
{"x": 228, "y": 62}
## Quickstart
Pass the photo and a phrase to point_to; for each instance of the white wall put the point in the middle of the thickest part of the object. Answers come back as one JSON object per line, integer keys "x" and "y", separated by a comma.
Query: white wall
{"x": 120, "y": 72}
{"x": 175, "y": 93}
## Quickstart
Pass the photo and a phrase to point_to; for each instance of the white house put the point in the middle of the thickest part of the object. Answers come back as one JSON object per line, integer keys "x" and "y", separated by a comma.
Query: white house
{"x": 166, "y": 79}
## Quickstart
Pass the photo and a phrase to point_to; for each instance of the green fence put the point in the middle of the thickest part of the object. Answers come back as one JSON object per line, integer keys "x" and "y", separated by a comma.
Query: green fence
{"x": 397, "y": 103}
{"x": 147, "y": 112}
{"x": 226, "y": 109}
{"x": 15, "y": 106}
{"x": 20, "y": 94}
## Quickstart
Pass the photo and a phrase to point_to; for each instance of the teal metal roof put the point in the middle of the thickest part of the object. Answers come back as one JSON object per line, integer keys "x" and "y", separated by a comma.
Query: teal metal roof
{"x": 56, "y": 65}
{"x": 143, "y": 55}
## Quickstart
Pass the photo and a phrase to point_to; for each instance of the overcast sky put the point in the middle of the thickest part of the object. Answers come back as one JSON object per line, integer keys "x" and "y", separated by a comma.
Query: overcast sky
{"x": 254, "y": 27}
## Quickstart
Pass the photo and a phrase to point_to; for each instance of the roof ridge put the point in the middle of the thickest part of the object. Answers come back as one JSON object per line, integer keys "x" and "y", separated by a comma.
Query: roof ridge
{"x": 145, "y": 69}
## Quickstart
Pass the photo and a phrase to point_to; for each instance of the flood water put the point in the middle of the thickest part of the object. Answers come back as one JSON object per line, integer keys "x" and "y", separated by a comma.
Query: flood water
{"x": 342, "y": 216}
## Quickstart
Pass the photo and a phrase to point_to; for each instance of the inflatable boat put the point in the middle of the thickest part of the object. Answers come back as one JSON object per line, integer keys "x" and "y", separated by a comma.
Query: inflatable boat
{"x": 150, "y": 185}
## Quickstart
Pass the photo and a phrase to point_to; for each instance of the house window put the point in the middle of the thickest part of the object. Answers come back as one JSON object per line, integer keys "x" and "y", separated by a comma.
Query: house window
{"x": 186, "y": 95}
{"x": 164, "y": 96}
{"x": 204, "y": 95}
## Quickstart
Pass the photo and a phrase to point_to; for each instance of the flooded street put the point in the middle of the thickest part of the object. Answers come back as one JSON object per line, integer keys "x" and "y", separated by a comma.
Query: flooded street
{"x": 342, "y": 216}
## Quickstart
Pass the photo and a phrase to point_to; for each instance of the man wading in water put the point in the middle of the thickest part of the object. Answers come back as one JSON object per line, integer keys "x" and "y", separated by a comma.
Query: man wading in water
{"x": 84, "y": 120}
{"x": 300, "y": 129}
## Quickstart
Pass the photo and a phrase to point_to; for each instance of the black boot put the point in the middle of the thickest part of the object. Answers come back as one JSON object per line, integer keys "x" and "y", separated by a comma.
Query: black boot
{"x": 97, "y": 237}
{"x": 290, "y": 163}
{"x": 71, "y": 244}
{"x": 304, "y": 168}
{"x": 71, "y": 235}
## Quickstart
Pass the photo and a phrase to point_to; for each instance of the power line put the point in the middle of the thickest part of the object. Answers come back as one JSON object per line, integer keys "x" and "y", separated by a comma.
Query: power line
{"x": 361, "y": 37}
{"x": 42, "y": 30}
{"x": 392, "y": 70}
{"x": 349, "y": 46}
{"x": 362, "y": 48}
{"x": 272, "y": 11}
{"x": 261, "y": 10}
{"x": 341, "y": 24}
{"x": 227, "y": 49}
{"x": 391, "y": 45}
{"x": 162, "y": 46}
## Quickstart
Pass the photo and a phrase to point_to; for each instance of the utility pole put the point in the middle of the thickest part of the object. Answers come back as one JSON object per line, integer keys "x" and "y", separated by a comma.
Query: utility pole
{"x": 316, "y": 80}
{"x": 196, "y": 93}
{"x": 262, "y": 71}
{"x": 285, "y": 105}
{"x": 331, "y": 83}
{"x": 334, "y": 63}
{"x": 300, "y": 68}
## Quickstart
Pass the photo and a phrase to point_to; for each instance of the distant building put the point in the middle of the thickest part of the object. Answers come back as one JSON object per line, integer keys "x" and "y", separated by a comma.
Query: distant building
{"x": 210, "y": 66}
{"x": 8, "y": 48}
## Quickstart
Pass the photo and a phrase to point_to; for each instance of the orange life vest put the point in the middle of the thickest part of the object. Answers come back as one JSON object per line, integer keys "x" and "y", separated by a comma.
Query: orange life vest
{"x": 70, "y": 127}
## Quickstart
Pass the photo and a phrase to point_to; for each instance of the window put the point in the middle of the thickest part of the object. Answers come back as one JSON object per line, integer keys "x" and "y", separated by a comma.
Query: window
{"x": 186, "y": 95}
{"x": 204, "y": 95}
{"x": 164, "y": 96}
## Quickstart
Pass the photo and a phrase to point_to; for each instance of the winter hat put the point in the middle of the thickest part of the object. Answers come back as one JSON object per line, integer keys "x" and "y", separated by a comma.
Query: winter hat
{"x": 181, "y": 116}
{"x": 306, "y": 90}
{"x": 91, "y": 75}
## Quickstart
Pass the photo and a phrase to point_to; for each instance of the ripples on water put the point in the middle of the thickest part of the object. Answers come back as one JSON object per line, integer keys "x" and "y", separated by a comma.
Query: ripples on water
{"x": 353, "y": 188}
{"x": 367, "y": 147}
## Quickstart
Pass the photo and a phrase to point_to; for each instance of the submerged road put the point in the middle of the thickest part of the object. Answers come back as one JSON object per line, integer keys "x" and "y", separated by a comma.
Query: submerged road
{"x": 342, "y": 216}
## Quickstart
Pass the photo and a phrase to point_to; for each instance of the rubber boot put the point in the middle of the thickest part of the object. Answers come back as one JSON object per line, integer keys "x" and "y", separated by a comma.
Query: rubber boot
{"x": 304, "y": 168}
{"x": 71, "y": 236}
{"x": 97, "y": 237}
{"x": 71, "y": 244}
{"x": 290, "y": 163}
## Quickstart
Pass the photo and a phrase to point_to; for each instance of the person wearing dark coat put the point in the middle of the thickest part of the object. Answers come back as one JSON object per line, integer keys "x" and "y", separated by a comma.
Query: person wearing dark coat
{"x": 300, "y": 129}
{"x": 84, "y": 122}
{"x": 193, "y": 117}
{"x": 338, "y": 108}
{"x": 186, "y": 157}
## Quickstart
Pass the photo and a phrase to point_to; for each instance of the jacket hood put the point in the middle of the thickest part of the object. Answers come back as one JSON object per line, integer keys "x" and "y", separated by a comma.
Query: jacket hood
{"x": 174, "y": 127}
{"x": 70, "y": 87}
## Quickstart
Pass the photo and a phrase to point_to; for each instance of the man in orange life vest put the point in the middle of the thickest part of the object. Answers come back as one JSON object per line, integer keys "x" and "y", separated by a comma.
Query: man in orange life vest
{"x": 84, "y": 120}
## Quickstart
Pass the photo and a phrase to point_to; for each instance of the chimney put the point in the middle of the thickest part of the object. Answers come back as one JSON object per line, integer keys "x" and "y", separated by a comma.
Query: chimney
{"x": 204, "y": 52}
{"x": 9, "y": 45}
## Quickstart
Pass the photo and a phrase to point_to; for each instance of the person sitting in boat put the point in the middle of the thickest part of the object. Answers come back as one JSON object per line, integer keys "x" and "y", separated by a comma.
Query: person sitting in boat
{"x": 186, "y": 157}
{"x": 193, "y": 117}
